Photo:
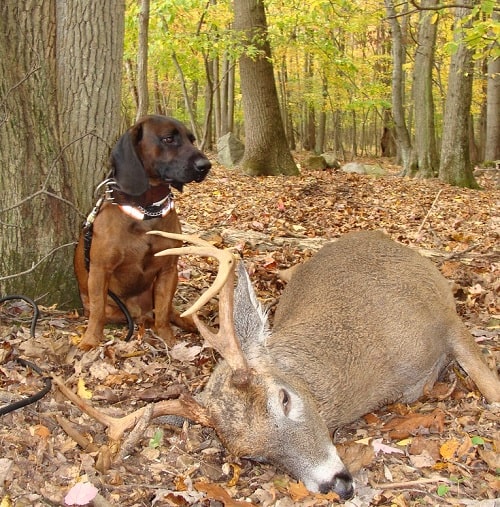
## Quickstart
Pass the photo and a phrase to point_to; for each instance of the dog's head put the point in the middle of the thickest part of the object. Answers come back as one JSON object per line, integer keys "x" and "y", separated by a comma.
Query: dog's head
{"x": 157, "y": 147}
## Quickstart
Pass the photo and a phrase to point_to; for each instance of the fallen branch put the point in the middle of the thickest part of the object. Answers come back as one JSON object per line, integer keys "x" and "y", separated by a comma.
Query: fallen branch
{"x": 408, "y": 484}
{"x": 184, "y": 406}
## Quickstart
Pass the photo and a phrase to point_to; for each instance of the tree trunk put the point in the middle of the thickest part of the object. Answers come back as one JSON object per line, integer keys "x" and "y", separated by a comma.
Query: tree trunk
{"x": 230, "y": 96}
{"x": 387, "y": 141}
{"x": 309, "y": 115}
{"x": 456, "y": 167}
{"x": 142, "y": 60}
{"x": 320, "y": 139}
{"x": 217, "y": 113}
{"x": 492, "y": 147}
{"x": 427, "y": 164}
{"x": 187, "y": 102}
{"x": 398, "y": 54}
{"x": 286, "y": 116}
{"x": 266, "y": 148}
{"x": 60, "y": 75}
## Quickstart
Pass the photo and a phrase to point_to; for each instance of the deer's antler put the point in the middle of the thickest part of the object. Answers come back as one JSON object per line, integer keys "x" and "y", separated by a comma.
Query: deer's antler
{"x": 184, "y": 406}
{"x": 225, "y": 341}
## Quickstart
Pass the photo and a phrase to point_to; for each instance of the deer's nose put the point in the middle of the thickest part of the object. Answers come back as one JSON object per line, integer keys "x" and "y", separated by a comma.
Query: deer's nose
{"x": 341, "y": 484}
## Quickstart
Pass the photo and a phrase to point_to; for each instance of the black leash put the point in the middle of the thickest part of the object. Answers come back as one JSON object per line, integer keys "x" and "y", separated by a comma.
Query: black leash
{"x": 28, "y": 364}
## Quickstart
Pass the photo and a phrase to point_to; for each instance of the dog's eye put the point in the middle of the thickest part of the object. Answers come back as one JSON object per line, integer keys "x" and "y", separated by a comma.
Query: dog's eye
{"x": 167, "y": 139}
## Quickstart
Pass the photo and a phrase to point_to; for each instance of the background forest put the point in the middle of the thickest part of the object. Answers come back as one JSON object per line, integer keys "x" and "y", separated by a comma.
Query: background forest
{"x": 334, "y": 69}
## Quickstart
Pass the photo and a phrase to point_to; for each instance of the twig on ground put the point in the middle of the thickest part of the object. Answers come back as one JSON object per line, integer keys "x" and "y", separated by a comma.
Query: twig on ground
{"x": 408, "y": 484}
{"x": 429, "y": 212}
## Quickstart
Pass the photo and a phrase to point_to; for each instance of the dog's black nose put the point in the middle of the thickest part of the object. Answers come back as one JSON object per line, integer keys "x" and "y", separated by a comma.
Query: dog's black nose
{"x": 202, "y": 165}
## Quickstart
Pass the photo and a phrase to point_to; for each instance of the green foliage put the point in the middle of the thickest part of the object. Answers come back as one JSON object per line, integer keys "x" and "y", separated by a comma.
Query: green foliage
{"x": 156, "y": 440}
{"x": 477, "y": 440}
{"x": 442, "y": 490}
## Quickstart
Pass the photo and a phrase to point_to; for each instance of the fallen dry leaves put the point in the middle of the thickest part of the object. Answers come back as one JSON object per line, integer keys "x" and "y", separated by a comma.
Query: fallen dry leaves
{"x": 442, "y": 450}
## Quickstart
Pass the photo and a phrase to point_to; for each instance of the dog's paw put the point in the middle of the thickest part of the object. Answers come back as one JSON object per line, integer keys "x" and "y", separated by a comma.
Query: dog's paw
{"x": 88, "y": 342}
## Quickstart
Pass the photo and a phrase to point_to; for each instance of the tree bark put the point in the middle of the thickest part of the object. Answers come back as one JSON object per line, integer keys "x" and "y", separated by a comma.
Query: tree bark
{"x": 142, "y": 61}
{"x": 266, "y": 148}
{"x": 427, "y": 164}
{"x": 455, "y": 167}
{"x": 492, "y": 147}
{"x": 398, "y": 53}
{"x": 60, "y": 75}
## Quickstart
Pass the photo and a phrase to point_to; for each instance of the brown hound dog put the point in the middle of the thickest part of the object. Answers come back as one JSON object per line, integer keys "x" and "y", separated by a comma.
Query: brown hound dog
{"x": 154, "y": 154}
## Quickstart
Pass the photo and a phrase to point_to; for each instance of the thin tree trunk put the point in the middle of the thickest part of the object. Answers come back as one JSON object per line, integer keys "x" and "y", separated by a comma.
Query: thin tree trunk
{"x": 142, "y": 60}
{"x": 224, "y": 95}
{"x": 320, "y": 139}
{"x": 398, "y": 53}
{"x": 185, "y": 94}
{"x": 492, "y": 148}
{"x": 230, "y": 96}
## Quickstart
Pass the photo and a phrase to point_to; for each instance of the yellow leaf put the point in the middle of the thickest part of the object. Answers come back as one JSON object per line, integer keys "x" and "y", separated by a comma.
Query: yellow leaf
{"x": 82, "y": 391}
{"x": 297, "y": 491}
{"x": 448, "y": 449}
{"x": 440, "y": 466}
{"x": 364, "y": 441}
{"x": 6, "y": 501}
{"x": 236, "y": 475}
{"x": 404, "y": 442}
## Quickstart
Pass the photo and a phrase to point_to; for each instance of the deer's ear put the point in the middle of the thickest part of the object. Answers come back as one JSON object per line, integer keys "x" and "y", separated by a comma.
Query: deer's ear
{"x": 250, "y": 318}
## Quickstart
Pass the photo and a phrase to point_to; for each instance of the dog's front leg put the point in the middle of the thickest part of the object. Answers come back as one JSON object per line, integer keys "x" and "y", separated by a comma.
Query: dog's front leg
{"x": 165, "y": 313}
{"x": 98, "y": 283}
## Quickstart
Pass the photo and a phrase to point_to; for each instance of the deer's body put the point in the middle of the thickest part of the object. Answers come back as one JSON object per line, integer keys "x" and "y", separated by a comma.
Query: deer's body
{"x": 377, "y": 326}
{"x": 364, "y": 323}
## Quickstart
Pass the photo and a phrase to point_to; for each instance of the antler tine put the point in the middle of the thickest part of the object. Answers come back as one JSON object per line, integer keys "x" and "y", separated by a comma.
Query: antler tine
{"x": 204, "y": 249}
{"x": 188, "y": 238}
{"x": 225, "y": 341}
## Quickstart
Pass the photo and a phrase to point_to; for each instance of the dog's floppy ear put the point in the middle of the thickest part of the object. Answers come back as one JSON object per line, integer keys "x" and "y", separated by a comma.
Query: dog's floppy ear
{"x": 128, "y": 170}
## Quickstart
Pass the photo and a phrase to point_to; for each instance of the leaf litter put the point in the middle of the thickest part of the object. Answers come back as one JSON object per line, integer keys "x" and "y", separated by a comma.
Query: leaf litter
{"x": 441, "y": 450}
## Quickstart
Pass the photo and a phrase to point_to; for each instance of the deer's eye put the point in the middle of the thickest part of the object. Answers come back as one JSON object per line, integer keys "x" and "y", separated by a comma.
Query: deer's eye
{"x": 285, "y": 401}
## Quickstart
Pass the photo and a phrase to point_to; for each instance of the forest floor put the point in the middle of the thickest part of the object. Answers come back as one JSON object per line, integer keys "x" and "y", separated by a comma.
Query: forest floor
{"x": 441, "y": 450}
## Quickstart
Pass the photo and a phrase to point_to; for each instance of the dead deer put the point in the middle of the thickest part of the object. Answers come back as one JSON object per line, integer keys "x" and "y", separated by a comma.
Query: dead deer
{"x": 364, "y": 323}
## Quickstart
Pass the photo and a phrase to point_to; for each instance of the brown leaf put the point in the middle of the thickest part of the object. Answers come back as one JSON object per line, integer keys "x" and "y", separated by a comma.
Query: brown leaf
{"x": 355, "y": 456}
{"x": 403, "y": 427}
{"x": 217, "y": 492}
{"x": 422, "y": 444}
{"x": 491, "y": 458}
